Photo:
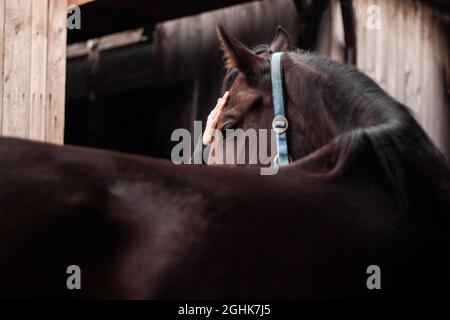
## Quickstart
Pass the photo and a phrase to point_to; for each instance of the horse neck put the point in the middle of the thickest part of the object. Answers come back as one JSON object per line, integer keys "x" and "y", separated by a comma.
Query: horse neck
{"x": 311, "y": 127}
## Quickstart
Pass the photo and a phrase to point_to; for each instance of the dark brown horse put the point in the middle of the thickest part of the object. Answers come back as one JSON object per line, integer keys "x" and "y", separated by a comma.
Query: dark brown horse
{"x": 367, "y": 187}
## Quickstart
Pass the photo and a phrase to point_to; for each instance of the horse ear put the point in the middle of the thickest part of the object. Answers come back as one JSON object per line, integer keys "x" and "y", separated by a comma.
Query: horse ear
{"x": 237, "y": 55}
{"x": 282, "y": 42}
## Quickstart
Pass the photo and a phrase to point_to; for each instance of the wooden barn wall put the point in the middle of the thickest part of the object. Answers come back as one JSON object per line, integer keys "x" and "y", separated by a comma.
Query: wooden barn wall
{"x": 184, "y": 49}
{"x": 32, "y": 66}
{"x": 406, "y": 54}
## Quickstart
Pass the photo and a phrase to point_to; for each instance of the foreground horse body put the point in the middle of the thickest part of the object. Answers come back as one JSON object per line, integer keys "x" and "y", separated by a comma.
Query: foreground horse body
{"x": 145, "y": 228}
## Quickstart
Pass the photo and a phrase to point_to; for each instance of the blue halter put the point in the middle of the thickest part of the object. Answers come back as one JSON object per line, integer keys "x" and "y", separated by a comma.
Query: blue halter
{"x": 279, "y": 122}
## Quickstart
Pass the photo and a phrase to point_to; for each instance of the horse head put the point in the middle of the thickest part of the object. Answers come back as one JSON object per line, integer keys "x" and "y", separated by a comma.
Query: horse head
{"x": 315, "y": 106}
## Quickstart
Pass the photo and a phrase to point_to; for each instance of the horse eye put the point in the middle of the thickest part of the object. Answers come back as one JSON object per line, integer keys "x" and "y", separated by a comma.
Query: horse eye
{"x": 229, "y": 126}
{"x": 226, "y": 127}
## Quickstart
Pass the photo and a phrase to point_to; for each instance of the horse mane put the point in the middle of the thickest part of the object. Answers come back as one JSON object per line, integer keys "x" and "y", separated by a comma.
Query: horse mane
{"x": 403, "y": 149}
{"x": 406, "y": 154}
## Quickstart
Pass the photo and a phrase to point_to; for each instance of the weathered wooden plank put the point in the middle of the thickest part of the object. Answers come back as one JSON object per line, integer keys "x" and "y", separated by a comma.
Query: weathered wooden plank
{"x": 56, "y": 69}
{"x": 428, "y": 74}
{"x": 380, "y": 49}
{"x": 2, "y": 41}
{"x": 337, "y": 38}
{"x": 392, "y": 48}
{"x": 360, "y": 17}
{"x": 401, "y": 29}
{"x": 38, "y": 75}
{"x": 435, "y": 111}
{"x": 370, "y": 45}
{"x": 17, "y": 68}
{"x": 118, "y": 40}
{"x": 416, "y": 46}
{"x": 407, "y": 57}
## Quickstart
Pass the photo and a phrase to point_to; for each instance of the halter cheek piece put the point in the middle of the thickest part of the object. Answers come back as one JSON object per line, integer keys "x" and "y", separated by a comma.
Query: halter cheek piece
{"x": 279, "y": 123}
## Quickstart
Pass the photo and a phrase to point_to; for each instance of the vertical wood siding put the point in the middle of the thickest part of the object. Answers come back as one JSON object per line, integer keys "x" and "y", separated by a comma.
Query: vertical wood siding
{"x": 408, "y": 57}
{"x": 32, "y": 65}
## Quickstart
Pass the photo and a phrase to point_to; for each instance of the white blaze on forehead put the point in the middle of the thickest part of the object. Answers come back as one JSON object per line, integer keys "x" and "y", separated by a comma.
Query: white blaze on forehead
{"x": 213, "y": 119}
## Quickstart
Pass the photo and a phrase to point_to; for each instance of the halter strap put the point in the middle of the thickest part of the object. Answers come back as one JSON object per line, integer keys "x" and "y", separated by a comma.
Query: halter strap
{"x": 279, "y": 123}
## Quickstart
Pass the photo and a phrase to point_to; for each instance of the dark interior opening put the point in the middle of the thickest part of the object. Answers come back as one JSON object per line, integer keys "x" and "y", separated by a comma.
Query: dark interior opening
{"x": 138, "y": 122}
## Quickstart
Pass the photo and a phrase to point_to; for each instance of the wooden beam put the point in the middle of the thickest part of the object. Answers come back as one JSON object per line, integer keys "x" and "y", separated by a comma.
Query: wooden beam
{"x": 309, "y": 17}
{"x": 122, "y": 69}
{"x": 117, "y": 40}
{"x": 348, "y": 19}
{"x": 103, "y": 17}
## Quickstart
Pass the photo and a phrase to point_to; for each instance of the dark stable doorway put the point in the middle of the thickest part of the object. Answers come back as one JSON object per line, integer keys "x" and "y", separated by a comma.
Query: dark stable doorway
{"x": 138, "y": 122}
